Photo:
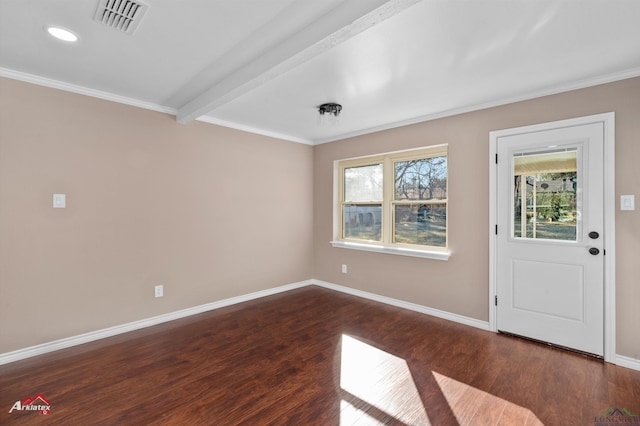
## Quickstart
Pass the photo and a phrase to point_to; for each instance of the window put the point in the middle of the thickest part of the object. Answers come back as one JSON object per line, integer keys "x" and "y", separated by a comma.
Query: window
{"x": 395, "y": 203}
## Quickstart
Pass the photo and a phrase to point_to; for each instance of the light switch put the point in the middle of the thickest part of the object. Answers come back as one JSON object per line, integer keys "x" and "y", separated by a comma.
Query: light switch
{"x": 59, "y": 201}
{"x": 627, "y": 202}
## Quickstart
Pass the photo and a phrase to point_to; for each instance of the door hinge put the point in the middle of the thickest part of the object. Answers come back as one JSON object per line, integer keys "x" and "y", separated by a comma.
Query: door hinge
{"x": 495, "y": 301}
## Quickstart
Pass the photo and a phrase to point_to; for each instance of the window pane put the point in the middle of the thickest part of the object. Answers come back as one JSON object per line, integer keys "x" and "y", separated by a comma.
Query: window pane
{"x": 363, "y": 183}
{"x": 545, "y": 195}
{"x": 363, "y": 222}
{"x": 424, "y": 179}
{"x": 422, "y": 224}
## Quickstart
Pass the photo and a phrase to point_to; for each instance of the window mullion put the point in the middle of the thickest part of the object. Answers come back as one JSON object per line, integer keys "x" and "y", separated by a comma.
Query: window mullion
{"x": 388, "y": 195}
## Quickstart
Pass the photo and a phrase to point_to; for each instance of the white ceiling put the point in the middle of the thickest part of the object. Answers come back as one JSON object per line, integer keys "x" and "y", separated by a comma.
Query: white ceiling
{"x": 266, "y": 65}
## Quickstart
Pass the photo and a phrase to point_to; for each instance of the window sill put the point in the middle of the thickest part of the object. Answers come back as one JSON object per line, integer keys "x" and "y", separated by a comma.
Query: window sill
{"x": 376, "y": 248}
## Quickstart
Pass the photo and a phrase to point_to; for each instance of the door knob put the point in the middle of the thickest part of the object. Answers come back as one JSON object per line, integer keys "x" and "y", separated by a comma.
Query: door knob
{"x": 593, "y": 235}
{"x": 594, "y": 251}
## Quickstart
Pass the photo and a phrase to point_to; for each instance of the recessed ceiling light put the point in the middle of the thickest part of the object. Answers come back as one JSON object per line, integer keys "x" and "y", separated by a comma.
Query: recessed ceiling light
{"x": 62, "y": 34}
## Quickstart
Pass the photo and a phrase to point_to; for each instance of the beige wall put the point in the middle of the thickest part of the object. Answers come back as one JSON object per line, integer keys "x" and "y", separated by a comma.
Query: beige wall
{"x": 461, "y": 285}
{"x": 206, "y": 211}
{"x": 212, "y": 212}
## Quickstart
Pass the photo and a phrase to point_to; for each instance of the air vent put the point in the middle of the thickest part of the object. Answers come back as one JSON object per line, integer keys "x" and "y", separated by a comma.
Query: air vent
{"x": 121, "y": 15}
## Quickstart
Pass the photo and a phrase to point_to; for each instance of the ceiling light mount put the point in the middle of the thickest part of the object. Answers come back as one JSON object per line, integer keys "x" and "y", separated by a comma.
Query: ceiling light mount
{"x": 330, "y": 108}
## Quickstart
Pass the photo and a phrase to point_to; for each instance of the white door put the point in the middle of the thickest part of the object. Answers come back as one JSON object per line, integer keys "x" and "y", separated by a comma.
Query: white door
{"x": 550, "y": 242}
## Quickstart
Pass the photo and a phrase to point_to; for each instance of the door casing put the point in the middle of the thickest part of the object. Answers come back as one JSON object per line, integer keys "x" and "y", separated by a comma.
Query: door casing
{"x": 608, "y": 120}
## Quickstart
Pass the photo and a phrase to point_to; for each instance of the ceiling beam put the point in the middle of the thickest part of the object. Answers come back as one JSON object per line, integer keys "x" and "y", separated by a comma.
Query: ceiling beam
{"x": 333, "y": 28}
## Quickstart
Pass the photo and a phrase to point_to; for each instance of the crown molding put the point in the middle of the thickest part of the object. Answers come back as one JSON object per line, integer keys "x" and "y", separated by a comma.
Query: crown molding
{"x": 576, "y": 85}
{"x": 82, "y": 90}
{"x": 255, "y": 130}
{"x": 580, "y": 84}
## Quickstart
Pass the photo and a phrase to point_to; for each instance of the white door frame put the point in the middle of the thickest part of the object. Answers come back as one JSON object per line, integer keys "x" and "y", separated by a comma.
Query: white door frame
{"x": 608, "y": 120}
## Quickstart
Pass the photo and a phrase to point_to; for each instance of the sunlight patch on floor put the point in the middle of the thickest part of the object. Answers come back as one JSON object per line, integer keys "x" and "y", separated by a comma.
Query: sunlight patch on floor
{"x": 380, "y": 384}
{"x": 472, "y": 406}
{"x": 353, "y": 416}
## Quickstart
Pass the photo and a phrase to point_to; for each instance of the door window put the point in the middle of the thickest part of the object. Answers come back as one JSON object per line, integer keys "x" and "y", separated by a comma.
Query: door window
{"x": 545, "y": 195}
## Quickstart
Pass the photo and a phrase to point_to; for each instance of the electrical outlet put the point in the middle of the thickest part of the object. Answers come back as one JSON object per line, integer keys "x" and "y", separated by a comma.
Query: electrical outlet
{"x": 344, "y": 268}
{"x": 159, "y": 290}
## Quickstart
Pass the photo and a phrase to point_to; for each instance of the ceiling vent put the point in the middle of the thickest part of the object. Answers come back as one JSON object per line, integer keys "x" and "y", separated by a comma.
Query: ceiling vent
{"x": 122, "y": 15}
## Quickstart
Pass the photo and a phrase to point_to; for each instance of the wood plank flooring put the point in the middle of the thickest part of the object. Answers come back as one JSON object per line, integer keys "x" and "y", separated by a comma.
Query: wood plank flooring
{"x": 313, "y": 356}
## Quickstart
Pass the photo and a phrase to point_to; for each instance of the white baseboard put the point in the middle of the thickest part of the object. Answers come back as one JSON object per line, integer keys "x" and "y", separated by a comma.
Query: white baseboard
{"x": 627, "y": 362}
{"x": 620, "y": 360}
{"x": 55, "y": 345}
{"x": 68, "y": 342}
{"x": 484, "y": 325}
{"x": 148, "y": 322}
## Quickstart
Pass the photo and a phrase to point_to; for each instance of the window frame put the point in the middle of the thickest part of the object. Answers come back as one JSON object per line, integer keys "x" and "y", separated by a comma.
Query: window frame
{"x": 387, "y": 244}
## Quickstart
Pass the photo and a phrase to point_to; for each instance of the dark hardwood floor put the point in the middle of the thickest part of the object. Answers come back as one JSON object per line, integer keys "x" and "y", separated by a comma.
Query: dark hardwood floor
{"x": 315, "y": 357}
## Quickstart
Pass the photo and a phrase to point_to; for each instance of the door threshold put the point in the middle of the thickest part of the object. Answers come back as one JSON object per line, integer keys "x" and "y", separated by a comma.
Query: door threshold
{"x": 554, "y": 346}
